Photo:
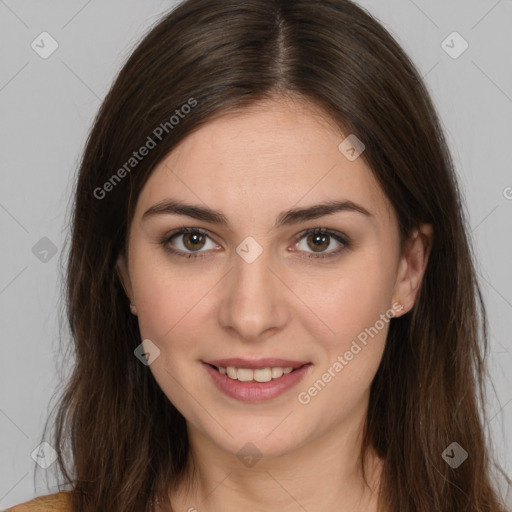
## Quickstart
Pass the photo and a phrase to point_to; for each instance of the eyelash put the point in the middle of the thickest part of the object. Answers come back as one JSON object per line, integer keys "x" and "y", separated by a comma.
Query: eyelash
{"x": 333, "y": 234}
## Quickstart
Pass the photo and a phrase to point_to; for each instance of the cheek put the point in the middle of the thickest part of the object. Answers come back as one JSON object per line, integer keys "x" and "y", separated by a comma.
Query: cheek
{"x": 172, "y": 309}
{"x": 335, "y": 310}
{"x": 355, "y": 305}
{"x": 360, "y": 317}
{"x": 334, "y": 304}
{"x": 349, "y": 299}
{"x": 168, "y": 295}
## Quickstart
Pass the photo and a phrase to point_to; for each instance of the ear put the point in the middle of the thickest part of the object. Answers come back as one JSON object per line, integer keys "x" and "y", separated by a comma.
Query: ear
{"x": 412, "y": 266}
{"x": 124, "y": 276}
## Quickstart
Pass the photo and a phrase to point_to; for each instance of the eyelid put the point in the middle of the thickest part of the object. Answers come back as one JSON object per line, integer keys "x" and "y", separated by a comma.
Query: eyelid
{"x": 182, "y": 231}
{"x": 341, "y": 238}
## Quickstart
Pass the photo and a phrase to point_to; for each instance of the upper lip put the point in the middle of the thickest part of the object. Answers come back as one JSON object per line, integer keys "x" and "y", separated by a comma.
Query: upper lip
{"x": 265, "y": 362}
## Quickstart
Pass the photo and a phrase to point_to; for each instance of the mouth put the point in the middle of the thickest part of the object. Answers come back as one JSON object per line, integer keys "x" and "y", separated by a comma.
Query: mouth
{"x": 263, "y": 374}
{"x": 253, "y": 382}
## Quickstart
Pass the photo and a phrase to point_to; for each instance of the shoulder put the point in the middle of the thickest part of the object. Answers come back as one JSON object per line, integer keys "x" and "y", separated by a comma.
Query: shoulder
{"x": 60, "y": 502}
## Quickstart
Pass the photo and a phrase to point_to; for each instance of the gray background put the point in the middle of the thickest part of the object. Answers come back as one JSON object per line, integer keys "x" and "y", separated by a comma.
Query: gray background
{"x": 47, "y": 107}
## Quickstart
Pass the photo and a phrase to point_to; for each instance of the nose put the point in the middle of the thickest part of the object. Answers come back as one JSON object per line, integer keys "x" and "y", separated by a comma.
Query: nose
{"x": 253, "y": 302}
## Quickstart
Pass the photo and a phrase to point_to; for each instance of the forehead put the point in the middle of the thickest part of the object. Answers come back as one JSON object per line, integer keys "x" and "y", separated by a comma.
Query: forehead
{"x": 261, "y": 160}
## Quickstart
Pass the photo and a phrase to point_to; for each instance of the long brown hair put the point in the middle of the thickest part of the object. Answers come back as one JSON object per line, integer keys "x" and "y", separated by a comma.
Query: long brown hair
{"x": 127, "y": 442}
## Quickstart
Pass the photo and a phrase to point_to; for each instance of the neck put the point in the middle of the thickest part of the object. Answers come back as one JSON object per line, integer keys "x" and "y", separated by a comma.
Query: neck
{"x": 324, "y": 474}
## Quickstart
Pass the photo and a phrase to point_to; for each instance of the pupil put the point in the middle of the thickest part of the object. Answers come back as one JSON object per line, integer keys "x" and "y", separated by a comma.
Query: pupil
{"x": 320, "y": 240}
{"x": 196, "y": 238}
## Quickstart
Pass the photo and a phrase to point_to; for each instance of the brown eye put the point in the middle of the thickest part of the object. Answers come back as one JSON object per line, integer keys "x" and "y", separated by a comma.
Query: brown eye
{"x": 188, "y": 242}
{"x": 193, "y": 241}
{"x": 318, "y": 241}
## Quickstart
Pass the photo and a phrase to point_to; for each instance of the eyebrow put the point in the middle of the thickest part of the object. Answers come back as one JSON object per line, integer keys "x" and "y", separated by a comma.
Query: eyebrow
{"x": 286, "y": 218}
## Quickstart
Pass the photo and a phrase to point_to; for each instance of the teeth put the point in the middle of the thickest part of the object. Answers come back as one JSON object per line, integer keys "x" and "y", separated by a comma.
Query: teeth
{"x": 258, "y": 375}
{"x": 277, "y": 372}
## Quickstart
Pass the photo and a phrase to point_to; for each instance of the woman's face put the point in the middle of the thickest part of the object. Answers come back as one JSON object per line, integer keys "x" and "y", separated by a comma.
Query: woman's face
{"x": 258, "y": 286}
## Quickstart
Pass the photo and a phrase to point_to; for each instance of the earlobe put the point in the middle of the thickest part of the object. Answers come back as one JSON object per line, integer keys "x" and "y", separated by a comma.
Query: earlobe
{"x": 412, "y": 266}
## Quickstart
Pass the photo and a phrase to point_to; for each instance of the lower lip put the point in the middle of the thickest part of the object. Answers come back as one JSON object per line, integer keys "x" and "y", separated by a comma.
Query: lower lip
{"x": 257, "y": 391}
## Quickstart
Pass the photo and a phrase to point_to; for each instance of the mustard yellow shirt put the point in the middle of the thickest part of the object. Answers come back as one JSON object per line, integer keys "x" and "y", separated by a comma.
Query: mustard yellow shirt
{"x": 60, "y": 501}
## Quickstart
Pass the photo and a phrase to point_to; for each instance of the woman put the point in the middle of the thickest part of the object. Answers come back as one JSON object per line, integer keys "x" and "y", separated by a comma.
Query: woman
{"x": 270, "y": 287}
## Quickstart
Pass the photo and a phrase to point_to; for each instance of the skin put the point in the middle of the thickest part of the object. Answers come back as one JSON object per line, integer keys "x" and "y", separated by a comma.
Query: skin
{"x": 251, "y": 166}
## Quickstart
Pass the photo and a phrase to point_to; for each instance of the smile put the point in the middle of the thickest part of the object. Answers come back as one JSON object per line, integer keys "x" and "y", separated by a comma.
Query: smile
{"x": 258, "y": 374}
{"x": 258, "y": 383}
